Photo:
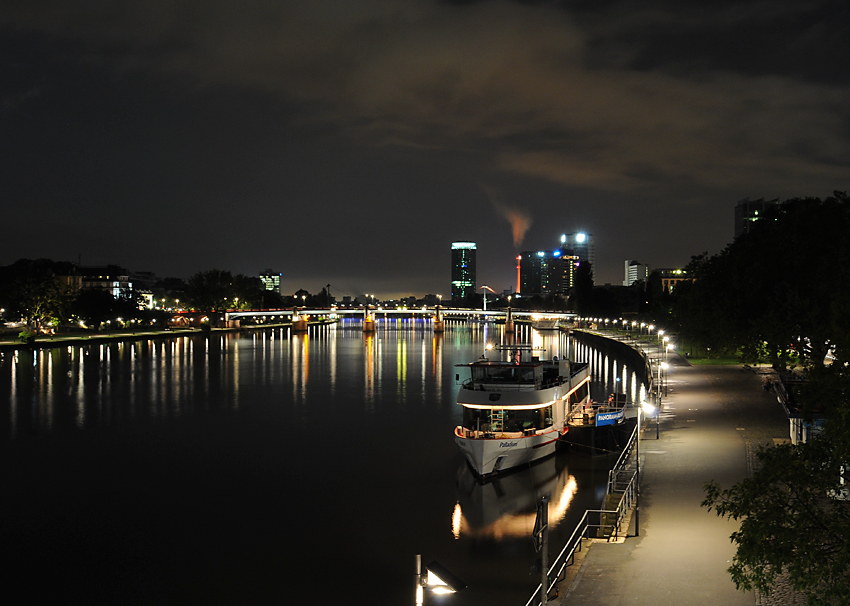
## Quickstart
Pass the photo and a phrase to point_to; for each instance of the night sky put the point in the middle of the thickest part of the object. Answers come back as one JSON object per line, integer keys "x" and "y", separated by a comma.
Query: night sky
{"x": 350, "y": 142}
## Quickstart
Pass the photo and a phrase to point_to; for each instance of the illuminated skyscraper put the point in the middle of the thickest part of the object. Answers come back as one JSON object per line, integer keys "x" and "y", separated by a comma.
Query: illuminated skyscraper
{"x": 545, "y": 272}
{"x": 271, "y": 280}
{"x": 581, "y": 244}
{"x": 463, "y": 270}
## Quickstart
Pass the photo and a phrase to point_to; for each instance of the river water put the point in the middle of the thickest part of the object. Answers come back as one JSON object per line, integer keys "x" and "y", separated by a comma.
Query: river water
{"x": 261, "y": 467}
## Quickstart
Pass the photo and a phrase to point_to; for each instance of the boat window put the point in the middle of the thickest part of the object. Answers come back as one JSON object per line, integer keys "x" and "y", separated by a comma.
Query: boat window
{"x": 503, "y": 374}
{"x": 477, "y": 419}
{"x": 521, "y": 420}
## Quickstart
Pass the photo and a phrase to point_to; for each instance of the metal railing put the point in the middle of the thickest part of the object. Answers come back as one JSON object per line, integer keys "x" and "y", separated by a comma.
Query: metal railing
{"x": 620, "y": 466}
{"x": 607, "y": 522}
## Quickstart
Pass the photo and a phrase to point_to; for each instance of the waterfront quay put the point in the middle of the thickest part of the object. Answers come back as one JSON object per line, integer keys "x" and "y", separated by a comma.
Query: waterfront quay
{"x": 675, "y": 551}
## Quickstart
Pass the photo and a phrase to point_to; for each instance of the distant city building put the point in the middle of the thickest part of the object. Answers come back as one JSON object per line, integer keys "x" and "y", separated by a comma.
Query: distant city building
{"x": 463, "y": 270}
{"x": 534, "y": 272}
{"x": 544, "y": 272}
{"x": 749, "y": 211}
{"x": 635, "y": 271}
{"x": 110, "y": 278}
{"x": 670, "y": 278}
{"x": 271, "y": 280}
{"x": 581, "y": 245}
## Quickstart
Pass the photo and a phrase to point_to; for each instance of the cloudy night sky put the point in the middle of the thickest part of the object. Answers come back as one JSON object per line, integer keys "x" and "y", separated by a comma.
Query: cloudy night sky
{"x": 349, "y": 143}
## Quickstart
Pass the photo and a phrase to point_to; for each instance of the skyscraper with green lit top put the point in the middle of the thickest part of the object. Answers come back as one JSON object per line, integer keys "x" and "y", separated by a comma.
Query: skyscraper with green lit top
{"x": 463, "y": 270}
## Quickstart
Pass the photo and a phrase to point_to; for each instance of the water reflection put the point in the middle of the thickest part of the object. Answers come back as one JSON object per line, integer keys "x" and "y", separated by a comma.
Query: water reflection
{"x": 506, "y": 506}
{"x": 107, "y": 383}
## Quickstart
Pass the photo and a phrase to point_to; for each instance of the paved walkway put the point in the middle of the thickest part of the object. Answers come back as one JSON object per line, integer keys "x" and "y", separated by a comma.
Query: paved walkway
{"x": 712, "y": 418}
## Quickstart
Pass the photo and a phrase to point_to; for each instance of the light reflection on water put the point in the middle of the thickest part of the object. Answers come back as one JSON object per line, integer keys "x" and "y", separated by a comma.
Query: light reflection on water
{"x": 239, "y": 453}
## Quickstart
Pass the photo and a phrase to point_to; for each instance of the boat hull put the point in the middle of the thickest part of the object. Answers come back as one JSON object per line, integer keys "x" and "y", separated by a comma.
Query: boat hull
{"x": 490, "y": 456}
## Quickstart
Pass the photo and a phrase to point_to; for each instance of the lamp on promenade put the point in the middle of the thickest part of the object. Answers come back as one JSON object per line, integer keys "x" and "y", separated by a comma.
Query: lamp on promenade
{"x": 436, "y": 578}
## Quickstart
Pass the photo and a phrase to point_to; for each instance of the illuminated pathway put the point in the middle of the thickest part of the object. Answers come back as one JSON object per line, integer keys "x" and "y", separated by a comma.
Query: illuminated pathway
{"x": 682, "y": 551}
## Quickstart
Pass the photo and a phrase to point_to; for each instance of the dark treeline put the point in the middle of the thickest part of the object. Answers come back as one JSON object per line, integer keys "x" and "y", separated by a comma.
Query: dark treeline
{"x": 781, "y": 294}
{"x": 46, "y": 296}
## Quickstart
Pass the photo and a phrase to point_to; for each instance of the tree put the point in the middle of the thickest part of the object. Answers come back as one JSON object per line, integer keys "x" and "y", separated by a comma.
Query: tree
{"x": 790, "y": 522}
{"x": 583, "y": 290}
{"x": 781, "y": 290}
{"x": 32, "y": 292}
{"x": 211, "y": 290}
{"x": 772, "y": 292}
{"x": 95, "y": 307}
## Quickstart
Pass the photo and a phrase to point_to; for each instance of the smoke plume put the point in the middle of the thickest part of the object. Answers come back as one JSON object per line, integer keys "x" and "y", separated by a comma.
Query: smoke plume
{"x": 520, "y": 220}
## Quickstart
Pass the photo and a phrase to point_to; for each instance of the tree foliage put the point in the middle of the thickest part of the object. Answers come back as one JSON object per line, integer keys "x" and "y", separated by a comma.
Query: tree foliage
{"x": 790, "y": 522}
{"x": 777, "y": 291}
{"x": 32, "y": 293}
{"x": 781, "y": 291}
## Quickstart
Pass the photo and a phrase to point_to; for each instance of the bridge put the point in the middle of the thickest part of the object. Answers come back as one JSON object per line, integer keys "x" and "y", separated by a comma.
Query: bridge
{"x": 377, "y": 312}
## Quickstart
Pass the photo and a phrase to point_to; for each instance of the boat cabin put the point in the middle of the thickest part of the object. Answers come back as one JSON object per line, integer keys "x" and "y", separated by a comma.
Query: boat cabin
{"x": 524, "y": 420}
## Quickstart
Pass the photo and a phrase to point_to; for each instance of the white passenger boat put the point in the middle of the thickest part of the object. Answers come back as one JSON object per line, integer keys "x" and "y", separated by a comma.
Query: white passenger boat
{"x": 515, "y": 410}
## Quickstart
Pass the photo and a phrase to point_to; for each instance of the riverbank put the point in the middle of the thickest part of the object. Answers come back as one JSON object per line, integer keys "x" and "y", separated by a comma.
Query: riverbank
{"x": 714, "y": 417}
{"x": 10, "y": 341}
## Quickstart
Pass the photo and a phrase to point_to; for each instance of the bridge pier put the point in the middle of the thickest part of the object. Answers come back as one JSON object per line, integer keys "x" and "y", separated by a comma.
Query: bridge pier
{"x": 439, "y": 324}
{"x": 299, "y": 323}
{"x": 368, "y": 322}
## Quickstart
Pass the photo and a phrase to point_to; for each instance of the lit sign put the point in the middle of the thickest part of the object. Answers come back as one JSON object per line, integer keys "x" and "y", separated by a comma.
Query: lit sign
{"x": 580, "y": 238}
{"x": 608, "y": 418}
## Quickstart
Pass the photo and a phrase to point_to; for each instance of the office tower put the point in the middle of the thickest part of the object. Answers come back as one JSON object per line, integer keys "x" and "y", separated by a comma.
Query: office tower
{"x": 581, "y": 245}
{"x": 635, "y": 271}
{"x": 544, "y": 272}
{"x": 271, "y": 280}
{"x": 463, "y": 270}
{"x": 749, "y": 211}
{"x": 534, "y": 272}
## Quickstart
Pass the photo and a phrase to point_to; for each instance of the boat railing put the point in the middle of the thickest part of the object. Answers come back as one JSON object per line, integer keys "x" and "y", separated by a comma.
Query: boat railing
{"x": 477, "y": 434}
{"x": 511, "y": 385}
{"x": 594, "y": 524}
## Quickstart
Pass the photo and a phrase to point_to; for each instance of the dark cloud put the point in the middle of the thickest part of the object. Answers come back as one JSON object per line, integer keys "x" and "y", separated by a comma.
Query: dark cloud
{"x": 281, "y": 133}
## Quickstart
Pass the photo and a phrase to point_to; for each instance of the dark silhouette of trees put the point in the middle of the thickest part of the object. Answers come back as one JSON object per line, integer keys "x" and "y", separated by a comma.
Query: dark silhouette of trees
{"x": 583, "y": 290}
{"x": 32, "y": 292}
{"x": 95, "y": 307}
{"x": 775, "y": 291}
{"x": 781, "y": 291}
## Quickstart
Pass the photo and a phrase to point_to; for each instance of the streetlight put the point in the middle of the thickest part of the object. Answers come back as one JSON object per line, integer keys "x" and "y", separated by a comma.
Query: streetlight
{"x": 660, "y": 334}
{"x": 436, "y": 578}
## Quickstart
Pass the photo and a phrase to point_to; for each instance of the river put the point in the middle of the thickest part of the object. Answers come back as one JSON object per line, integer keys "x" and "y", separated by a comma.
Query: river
{"x": 261, "y": 467}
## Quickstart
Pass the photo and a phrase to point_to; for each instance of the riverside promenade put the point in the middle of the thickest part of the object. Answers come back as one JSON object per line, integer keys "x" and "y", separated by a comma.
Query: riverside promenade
{"x": 676, "y": 552}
